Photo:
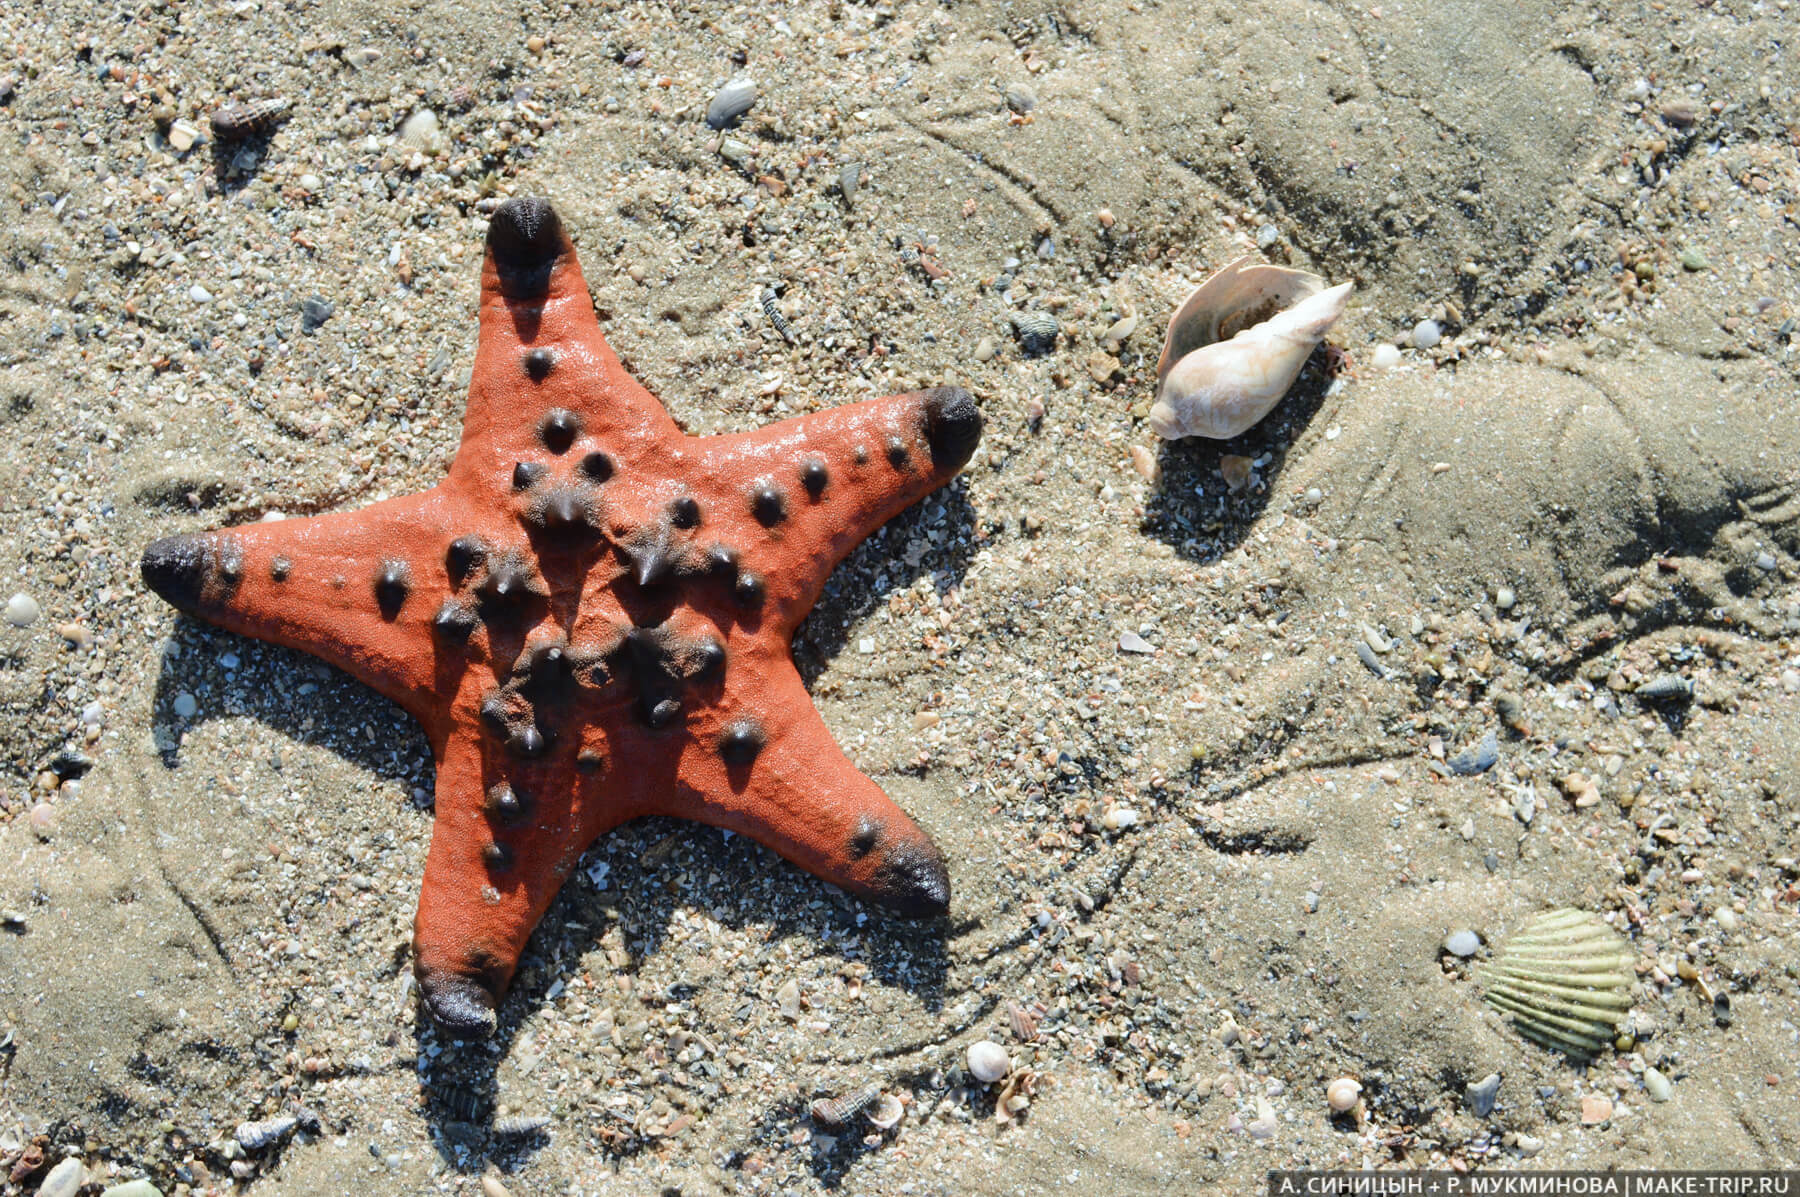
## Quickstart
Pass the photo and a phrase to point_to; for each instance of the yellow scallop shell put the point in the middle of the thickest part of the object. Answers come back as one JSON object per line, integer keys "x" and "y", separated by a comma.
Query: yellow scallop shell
{"x": 1565, "y": 979}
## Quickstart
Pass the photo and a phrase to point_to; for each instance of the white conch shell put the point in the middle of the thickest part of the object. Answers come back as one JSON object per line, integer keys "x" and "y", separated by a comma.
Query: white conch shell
{"x": 1236, "y": 346}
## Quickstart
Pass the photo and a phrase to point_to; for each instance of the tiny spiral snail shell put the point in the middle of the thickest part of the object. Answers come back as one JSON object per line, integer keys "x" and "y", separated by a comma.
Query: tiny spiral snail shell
{"x": 1236, "y": 345}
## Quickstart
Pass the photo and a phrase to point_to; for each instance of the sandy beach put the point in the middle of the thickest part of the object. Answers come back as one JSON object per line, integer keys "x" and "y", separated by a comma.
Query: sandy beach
{"x": 1246, "y": 757}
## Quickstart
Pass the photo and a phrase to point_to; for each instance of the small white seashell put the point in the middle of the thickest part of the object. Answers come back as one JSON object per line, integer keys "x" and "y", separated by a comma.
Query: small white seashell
{"x": 1236, "y": 345}
{"x": 730, "y": 102}
{"x": 887, "y": 1113}
{"x": 1342, "y": 1094}
{"x": 988, "y": 1061}
{"x": 422, "y": 132}
{"x": 1118, "y": 818}
{"x": 1565, "y": 979}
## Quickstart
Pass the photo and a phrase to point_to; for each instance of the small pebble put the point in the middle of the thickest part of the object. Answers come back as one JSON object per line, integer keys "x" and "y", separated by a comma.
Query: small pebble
{"x": 22, "y": 611}
{"x": 314, "y": 312}
{"x": 1504, "y": 598}
{"x": 199, "y": 294}
{"x": 183, "y": 135}
{"x": 132, "y": 1188}
{"x": 1680, "y": 112}
{"x": 1266, "y": 1124}
{"x": 1144, "y": 462}
{"x": 1595, "y": 1109}
{"x": 1426, "y": 333}
{"x": 491, "y": 1187}
{"x": 1766, "y": 562}
{"x": 1657, "y": 1085}
{"x": 787, "y": 1000}
{"x": 1727, "y": 919}
{"x": 1343, "y": 1094}
{"x": 988, "y": 1061}
{"x": 42, "y": 820}
{"x": 1385, "y": 357}
{"x": 64, "y": 1179}
{"x": 1463, "y": 944}
{"x": 1119, "y": 818}
{"x": 186, "y": 705}
{"x": 1020, "y": 98}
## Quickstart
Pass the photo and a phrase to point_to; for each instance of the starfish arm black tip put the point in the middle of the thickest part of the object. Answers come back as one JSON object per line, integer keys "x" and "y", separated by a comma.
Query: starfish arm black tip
{"x": 525, "y": 238}
{"x": 182, "y": 569}
{"x": 458, "y": 1003}
{"x": 913, "y": 882}
{"x": 952, "y": 426}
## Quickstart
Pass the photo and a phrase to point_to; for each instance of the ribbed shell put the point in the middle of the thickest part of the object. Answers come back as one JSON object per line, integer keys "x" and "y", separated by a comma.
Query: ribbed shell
{"x": 1036, "y": 332}
{"x": 1565, "y": 979}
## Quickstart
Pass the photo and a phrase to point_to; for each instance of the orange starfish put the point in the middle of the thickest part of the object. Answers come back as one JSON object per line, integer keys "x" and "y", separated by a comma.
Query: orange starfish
{"x": 592, "y": 616}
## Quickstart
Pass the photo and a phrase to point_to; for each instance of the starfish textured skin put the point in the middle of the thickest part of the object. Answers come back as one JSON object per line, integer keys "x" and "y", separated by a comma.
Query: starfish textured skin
{"x": 592, "y": 617}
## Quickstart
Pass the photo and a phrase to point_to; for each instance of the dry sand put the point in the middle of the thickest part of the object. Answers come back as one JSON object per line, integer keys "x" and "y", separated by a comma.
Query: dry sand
{"x": 211, "y": 847}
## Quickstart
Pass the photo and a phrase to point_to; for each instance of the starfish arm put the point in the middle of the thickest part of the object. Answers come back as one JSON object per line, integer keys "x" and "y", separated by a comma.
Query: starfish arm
{"x": 763, "y": 764}
{"x": 797, "y": 496}
{"x": 352, "y": 588}
{"x": 506, "y": 835}
{"x": 541, "y": 357}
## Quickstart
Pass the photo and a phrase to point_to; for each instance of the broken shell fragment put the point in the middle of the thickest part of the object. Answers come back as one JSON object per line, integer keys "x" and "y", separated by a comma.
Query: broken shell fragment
{"x": 1565, "y": 979}
{"x": 1236, "y": 345}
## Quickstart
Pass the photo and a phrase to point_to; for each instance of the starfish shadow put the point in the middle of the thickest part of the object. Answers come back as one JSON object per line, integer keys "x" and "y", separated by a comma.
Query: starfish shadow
{"x": 653, "y": 871}
{"x": 874, "y": 571}
{"x": 289, "y": 691}
{"x": 1193, "y": 510}
{"x": 611, "y": 931}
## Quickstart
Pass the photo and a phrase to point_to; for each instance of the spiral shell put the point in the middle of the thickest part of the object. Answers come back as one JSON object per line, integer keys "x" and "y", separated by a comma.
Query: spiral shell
{"x": 837, "y": 1111}
{"x": 519, "y": 1125}
{"x": 1235, "y": 346}
{"x": 234, "y": 122}
{"x": 1565, "y": 978}
{"x": 1666, "y": 687}
{"x": 254, "y": 1136}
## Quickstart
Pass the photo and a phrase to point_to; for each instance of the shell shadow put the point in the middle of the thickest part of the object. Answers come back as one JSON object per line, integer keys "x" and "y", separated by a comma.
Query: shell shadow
{"x": 1193, "y": 511}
